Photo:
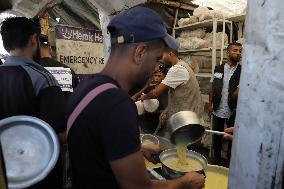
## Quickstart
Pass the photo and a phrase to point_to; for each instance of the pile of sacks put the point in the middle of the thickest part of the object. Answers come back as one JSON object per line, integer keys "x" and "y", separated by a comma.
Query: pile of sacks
{"x": 192, "y": 39}
{"x": 192, "y": 62}
{"x": 200, "y": 14}
{"x": 198, "y": 39}
{"x": 187, "y": 21}
{"x": 208, "y": 38}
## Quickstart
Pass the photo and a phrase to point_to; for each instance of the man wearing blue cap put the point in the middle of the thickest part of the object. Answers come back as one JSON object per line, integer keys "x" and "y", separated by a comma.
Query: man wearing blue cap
{"x": 103, "y": 134}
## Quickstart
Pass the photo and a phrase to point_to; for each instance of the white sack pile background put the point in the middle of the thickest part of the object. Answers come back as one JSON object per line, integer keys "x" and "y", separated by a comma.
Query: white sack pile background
{"x": 208, "y": 38}
{"x": 193, "y": 63}
{"x": 199, "y": 33}
{"x": 227, "y": 7}
{"x": 200, "y": 14}
{"x": 187, "y": 21}
{"x": 191, "y": 43}
{"x": 198, "y": 39}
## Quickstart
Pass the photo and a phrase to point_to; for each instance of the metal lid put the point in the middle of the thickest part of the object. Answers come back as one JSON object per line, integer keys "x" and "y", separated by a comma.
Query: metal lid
{"x": 30, "y": 148}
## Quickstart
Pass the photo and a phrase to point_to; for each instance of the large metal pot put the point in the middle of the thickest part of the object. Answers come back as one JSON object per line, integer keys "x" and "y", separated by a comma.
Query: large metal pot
{"x": 213, "y": 172}
{"x": 170, "y": 173}
{"x": 185, "y": 124}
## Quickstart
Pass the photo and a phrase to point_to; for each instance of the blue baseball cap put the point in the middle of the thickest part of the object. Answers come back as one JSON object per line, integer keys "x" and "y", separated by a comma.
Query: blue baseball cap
{"x": 139, "y": 24}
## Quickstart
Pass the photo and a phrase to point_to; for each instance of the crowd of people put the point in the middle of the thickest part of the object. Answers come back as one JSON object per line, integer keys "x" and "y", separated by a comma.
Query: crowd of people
{"x": 100, "y": 124}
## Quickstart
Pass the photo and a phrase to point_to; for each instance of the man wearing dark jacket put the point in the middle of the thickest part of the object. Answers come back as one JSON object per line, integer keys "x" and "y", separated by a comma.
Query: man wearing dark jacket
{"x": 4, "y": 5}
{"x": 26, "y": 88}
{"x": 224, "y": 95}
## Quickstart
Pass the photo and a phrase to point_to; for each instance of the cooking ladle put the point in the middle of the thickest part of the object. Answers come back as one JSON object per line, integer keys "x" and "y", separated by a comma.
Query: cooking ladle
{"x": 215, "y": 132}
{"x": 157, "y": 129}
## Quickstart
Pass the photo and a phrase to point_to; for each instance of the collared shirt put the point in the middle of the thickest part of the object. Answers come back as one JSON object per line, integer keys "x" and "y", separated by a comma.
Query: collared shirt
{"x": 224, "y": 111}
{"x": 26, "y": 88}
{"x": 177, "y": 75}
{"x": 40, "y": 77}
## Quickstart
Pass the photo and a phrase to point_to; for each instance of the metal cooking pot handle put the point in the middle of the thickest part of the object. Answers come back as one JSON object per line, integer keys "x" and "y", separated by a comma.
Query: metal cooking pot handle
{"x": 156, "y": 158}
{"x": 158, "y": 128}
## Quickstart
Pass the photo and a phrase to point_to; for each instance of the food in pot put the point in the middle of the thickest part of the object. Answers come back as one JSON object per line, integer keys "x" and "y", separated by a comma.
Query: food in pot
{"x": 189, "y": 165}
{"x": 182, "y": 162}
{"x": 216, "y": 180}
{"x": 147, "y": 142}
{"x": 182, "y": 154}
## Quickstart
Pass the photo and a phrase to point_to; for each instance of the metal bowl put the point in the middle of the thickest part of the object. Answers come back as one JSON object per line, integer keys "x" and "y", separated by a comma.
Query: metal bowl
{"x": 30, "y": 149}
{"x": 170, "y": 173}
{"x": 164, "y": 143}
{"x": 185, "y": 124}
{"x": 148, "y": 139}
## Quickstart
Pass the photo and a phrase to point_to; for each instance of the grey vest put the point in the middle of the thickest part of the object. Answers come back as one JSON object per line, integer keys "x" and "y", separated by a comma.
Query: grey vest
{"x": 186, "y": 96}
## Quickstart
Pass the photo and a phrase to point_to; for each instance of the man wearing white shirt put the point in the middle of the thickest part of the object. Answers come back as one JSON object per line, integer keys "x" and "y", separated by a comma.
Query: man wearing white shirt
{"x": 184, "y": 90}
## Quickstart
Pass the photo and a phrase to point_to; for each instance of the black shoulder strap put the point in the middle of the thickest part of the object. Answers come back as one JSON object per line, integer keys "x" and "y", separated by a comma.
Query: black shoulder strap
{"x": 220, "y": 68}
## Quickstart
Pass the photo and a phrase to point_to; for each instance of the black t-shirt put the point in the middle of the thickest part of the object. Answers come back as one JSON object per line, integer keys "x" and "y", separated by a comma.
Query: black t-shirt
{"x": 49, "y": 62}
{"x": 106, "y": 130}
{"x": 26, "y": 88}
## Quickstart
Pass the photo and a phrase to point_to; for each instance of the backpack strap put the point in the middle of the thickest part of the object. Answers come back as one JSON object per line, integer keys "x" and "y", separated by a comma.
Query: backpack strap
{"x": 86, "y": 100}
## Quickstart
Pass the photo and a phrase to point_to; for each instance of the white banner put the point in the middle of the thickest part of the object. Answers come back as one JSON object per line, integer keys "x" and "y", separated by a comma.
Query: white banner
{"x": 80, "y": 49}
{"x": 63, "y": 77}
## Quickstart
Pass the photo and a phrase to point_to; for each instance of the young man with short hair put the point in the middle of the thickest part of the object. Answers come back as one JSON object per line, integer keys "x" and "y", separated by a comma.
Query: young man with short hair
{"x": 103, "y": 137}
{"x": 26, "y": 88}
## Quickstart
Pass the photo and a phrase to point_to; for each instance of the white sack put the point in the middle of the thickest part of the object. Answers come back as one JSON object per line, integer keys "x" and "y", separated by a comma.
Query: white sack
{"x": 187, "y": 21}
{"x": 199, "y": 33}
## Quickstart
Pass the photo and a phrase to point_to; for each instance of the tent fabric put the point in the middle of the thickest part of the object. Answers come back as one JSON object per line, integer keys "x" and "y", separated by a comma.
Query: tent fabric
{"x": 75, "y": 13}
{"x": 227, "y": 7}
{"x": 84, "y": 14}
